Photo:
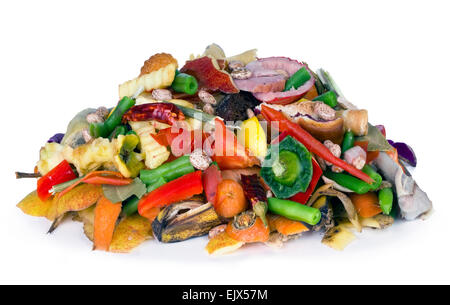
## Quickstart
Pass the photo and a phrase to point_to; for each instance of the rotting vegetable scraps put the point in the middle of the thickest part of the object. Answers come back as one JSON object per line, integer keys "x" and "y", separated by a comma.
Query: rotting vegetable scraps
{"x": 185, "y": 153}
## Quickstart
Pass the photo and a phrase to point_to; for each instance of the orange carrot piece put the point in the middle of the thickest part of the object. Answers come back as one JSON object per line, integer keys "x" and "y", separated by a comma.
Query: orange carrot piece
{"x": 107, "y": 180}
{"x": 286, "y": 226}
{"x": 90, "y": 175}
{"x": 366, "y": 205}
{"x": 256, "y": 233}
{"x": 106, "y": 215}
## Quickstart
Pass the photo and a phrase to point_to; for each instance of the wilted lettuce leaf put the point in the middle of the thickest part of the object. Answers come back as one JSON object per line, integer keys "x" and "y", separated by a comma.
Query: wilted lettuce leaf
{"x": 120, "y": 193}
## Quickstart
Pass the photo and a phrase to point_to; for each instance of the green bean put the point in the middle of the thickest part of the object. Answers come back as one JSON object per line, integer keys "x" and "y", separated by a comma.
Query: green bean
{"x": 374, "y": 175}
{"x": 328, "y": 98}
{"x": 386, "y": 198}
{"x": 294, "y": 210}
{"x": 352, "y": 183}
{"x": 105, "y": 128}
{"x": 130, "y": 206}
{"x": 297, "y": 79}
{"x": 185, "y": 83}
{"x": 348, "y": 141}
{"x": 168, "y": 171}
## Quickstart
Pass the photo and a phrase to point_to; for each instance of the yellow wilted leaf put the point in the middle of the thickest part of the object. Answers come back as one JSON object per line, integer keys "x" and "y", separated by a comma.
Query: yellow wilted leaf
{"x": 222, "y": 244}
{"x": 32, "y": 205}
{"x": 77, "y": 199}
{"x": 130, "y": 233}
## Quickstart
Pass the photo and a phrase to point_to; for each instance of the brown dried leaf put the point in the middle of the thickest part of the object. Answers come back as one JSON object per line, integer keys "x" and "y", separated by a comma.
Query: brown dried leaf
{"x": 32, "y": 205}
{"x": 77, "y": 199}
{"x": 130, "y": 233}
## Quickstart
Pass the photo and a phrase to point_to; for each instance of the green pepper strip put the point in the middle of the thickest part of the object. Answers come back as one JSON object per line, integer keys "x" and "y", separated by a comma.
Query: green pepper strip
{"x": 354, "y": 184}
{"x": 294, "y": 210}
{"x": 185, "y": 83}
{"x": 328, "y": 98}
{"x": 168, "y": 171}
{"x": 348, "y": 141}
{"x": 105, "y": 128}
{"x": 386, "y": 198}
{"x": 297, "y": 79}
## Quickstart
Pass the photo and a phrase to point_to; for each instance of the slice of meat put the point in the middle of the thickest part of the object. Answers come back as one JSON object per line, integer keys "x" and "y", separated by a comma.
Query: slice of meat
{"x": 261, "y": 84}
{"x": 269, "y": 77}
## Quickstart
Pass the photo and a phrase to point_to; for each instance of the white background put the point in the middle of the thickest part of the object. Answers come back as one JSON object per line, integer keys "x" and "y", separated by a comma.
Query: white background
{"x": 390, "y": 57}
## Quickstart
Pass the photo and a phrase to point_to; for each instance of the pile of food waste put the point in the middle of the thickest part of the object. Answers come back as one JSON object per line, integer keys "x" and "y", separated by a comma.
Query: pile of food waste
{"x": 237, "y": 148}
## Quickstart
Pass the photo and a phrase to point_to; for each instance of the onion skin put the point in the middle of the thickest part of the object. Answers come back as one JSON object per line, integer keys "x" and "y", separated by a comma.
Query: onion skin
{"x": 328, "y": 130}
{"x": 405, "y": 152}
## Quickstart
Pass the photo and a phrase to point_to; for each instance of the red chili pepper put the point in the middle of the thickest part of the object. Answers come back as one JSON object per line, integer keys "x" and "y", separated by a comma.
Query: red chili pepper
{"x": 161, "y": 112}
{"x": 311, "y": 143}
{"x": 173, "y": 191}
{"x": 59, "y": 174}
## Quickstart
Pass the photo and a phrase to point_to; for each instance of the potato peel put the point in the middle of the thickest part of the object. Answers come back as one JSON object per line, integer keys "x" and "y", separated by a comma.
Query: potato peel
{"x": 131, "y": 232}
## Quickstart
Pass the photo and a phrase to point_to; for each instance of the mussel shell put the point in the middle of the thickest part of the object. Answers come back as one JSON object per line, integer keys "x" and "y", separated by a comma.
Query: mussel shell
{"x": 172, "y": 226}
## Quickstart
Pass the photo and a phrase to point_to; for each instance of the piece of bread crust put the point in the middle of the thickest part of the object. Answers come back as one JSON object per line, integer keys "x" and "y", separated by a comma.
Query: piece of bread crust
{"x": 156, "y": 62}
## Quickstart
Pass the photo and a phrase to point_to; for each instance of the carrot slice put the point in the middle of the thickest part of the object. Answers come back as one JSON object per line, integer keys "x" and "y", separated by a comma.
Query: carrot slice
{"x": 106, "y": 214}
{"x": 286, "y": 226}
{"x": 366, "y": 204}
{"x": 258, "y": 232}
{"x": 107, "y": 180}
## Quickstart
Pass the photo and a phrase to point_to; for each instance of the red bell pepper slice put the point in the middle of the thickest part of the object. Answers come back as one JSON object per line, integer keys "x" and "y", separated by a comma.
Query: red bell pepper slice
{"x": 181, "y": 141}
{"x": 311, "y": 143}
{"x": 228, "y": 152}
{"x": 176, "y": 190}
{"x": 303, "y": 197}
{"x": 211, "y": 179}
{"x": 59, "y": 174}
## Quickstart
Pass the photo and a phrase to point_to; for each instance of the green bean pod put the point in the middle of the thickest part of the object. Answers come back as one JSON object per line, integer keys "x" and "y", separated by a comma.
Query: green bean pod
{"x": 386, "y": 199}
{"x": 348, "y": 181}
{"x": 348, "y": 141}
{"x": 185, "y": 83}
{"x": 297, "y": 79}
{"x": 328, "y": 98}
{"x": 168, "y": 171}
{"x": 105, "y": 128}
{"x": 294, "y": 210}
